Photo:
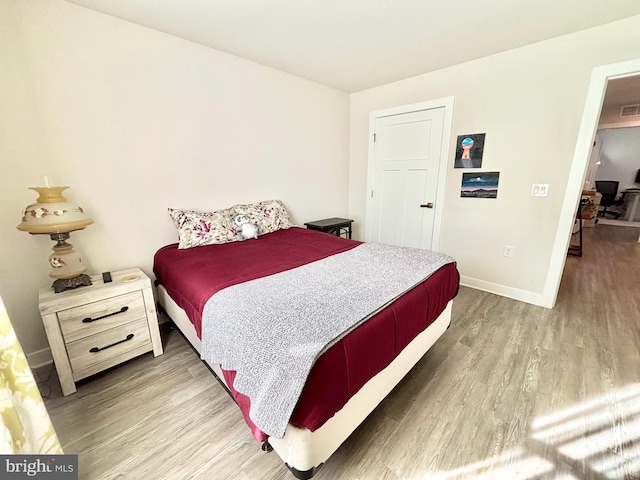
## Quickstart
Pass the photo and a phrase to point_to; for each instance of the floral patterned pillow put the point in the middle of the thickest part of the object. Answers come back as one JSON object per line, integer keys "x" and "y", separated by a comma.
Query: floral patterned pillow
{"x": 269, "y": 215}
{"x": 203, "y": 228}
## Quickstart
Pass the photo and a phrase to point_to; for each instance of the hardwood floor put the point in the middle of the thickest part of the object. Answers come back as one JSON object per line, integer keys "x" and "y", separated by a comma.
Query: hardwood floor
{"x": 511, "y": 391}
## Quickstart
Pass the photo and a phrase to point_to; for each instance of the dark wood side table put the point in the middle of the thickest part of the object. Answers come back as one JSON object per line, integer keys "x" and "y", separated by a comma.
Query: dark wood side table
{"x": 335, "y": 226}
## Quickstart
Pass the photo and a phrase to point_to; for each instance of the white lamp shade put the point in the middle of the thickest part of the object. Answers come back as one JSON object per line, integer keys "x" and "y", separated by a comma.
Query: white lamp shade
{"x": 53, "y": 213}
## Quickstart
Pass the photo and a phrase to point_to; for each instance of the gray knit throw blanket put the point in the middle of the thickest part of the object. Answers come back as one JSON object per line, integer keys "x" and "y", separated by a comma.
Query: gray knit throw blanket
{"x": 272, "y": 329}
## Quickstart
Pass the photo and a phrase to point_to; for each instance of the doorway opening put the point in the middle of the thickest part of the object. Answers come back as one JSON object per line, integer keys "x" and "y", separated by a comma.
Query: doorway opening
{"x": 595, "y": 96}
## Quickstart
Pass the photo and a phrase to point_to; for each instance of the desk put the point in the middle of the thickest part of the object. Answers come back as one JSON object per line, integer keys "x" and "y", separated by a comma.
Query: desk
{"x": 631, "y": 212}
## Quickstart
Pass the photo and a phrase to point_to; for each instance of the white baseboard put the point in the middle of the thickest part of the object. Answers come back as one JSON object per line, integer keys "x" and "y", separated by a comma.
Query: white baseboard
{"x": 502, "y": 290}
{"x": 39, "y": 358}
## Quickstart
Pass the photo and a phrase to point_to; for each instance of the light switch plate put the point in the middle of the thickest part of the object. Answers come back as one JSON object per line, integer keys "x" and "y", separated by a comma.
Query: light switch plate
{"x": 540, "y": 190}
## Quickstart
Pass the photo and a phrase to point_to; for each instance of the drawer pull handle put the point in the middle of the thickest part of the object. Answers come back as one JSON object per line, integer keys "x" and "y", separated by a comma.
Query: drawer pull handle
{"x": 89, "y": 319}
{"x": 99, "y": 349}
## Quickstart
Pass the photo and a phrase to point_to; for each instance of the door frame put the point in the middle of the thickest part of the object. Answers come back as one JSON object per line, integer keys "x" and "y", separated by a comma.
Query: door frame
{"x": 588, "y": 128}
{"x": 447, "y": 104}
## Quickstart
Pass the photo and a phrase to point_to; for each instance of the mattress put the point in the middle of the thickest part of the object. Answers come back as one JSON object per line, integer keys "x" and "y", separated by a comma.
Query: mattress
{"x": 191, "y": 276}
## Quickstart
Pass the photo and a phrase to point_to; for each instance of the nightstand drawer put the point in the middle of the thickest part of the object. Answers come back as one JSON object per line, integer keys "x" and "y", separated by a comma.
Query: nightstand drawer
{"x": 91, "y": 351}
{"x": 80, "y": 322}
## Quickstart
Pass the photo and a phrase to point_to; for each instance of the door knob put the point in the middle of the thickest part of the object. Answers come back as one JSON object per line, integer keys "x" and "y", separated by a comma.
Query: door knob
{"x": 427, "y": 205}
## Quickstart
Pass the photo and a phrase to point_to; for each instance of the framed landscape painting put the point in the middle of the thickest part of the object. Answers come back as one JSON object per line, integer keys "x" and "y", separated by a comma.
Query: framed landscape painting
{"x": 480, "y": 185}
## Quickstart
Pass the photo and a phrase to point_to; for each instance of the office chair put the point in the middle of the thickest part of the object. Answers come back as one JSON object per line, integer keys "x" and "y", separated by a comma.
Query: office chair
{"x": 609, "y": 191}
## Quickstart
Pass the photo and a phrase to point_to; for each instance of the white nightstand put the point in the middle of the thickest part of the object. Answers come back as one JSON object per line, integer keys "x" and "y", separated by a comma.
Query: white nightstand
{"x": 94, "y": 328}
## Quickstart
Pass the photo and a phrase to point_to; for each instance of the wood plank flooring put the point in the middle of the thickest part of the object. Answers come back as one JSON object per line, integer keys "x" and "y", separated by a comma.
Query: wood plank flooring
{"x": 511, "y": 391}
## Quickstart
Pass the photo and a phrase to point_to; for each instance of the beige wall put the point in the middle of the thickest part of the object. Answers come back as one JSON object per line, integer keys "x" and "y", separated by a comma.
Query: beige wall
{"x": 23, "y": 263}
{"x": 135, "y": 121}
{"x": 529, "y": 101}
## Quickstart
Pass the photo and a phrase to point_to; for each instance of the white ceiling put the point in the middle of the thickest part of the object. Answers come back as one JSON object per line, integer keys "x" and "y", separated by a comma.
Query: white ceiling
{"x": 622, "y": 91}
{"x": 353, "y": 45}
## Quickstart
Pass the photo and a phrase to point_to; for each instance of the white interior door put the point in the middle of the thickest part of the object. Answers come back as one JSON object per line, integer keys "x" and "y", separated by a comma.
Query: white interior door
{"x": 405, "y": 172}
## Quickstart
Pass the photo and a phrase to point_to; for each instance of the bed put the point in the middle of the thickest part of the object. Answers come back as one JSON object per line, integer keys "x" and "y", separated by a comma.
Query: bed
{"x": 345, "y": 382}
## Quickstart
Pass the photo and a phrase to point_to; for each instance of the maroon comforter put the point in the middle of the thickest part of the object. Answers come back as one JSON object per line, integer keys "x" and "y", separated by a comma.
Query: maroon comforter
{"x": 193, "y": 275}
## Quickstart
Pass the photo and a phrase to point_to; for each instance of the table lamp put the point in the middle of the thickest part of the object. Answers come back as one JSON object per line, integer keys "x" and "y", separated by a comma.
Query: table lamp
{"x": 55, "y": 216}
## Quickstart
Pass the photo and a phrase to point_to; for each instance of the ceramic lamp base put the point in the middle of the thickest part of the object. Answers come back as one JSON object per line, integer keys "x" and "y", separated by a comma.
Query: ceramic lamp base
{"x": 66, "y": 265}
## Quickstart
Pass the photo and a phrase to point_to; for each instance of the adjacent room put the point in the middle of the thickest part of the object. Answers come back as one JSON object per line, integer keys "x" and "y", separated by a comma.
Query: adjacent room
{"x": 614, "y": 162}
{"x": 465, "y": 186}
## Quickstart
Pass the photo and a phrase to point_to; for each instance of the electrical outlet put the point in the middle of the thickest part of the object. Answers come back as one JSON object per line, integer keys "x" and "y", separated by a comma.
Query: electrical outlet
{"x": 508, "y": 251}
